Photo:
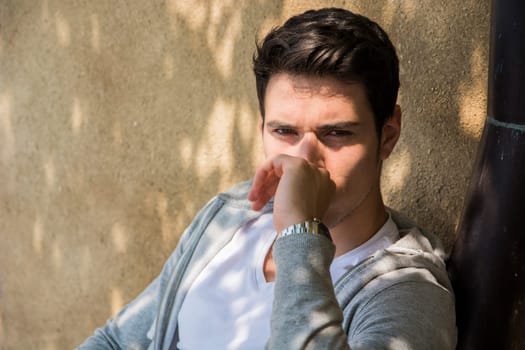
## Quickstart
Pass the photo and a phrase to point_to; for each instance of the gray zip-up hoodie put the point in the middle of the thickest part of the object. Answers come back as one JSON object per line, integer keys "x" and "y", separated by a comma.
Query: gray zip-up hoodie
{"x": 398, "y": 298}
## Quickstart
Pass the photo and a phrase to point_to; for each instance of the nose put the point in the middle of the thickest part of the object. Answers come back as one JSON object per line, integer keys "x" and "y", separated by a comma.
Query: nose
{"x": 310, "y": 148}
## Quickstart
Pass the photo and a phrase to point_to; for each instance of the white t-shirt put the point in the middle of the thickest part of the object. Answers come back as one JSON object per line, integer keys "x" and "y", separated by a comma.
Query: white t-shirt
{"x": 229, "y": 305}
{"x": 383, "y": 238}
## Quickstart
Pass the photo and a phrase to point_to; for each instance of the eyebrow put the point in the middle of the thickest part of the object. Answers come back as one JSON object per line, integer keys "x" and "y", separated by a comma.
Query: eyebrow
{"x": 341, "y": 125}
{"x": 278, "y": 124}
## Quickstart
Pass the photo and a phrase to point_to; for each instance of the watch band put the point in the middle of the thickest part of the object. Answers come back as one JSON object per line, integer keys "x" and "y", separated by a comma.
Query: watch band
{"x": 314, "y": 226}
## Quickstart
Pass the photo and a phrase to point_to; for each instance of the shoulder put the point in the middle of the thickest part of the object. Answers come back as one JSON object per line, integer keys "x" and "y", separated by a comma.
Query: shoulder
{"x": 404, "y": 288}
{"x": 414, "y": 237}
{"x": 415, "y": 261}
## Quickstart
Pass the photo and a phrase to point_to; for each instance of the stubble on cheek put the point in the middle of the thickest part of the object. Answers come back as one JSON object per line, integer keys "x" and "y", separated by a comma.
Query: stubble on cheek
{"x": 359, "y": 183}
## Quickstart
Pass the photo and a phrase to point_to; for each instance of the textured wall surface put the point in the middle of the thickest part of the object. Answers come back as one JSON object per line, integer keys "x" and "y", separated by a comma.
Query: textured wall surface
{"x": 120, "y": 119}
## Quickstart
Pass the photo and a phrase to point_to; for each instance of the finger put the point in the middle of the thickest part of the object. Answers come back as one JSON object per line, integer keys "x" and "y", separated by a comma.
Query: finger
{"x": 264, "y": 198}
{"x": 265, "y": 183}
{"x": 263, "y": 190}
{"x": 266, "y": 174}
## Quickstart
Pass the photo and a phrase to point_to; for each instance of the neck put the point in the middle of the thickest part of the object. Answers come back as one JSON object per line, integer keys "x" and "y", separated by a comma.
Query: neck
{"x": 360, "y": 224}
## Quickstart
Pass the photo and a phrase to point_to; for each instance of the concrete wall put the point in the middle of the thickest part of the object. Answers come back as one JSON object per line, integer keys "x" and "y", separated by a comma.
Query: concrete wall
{"x": 120, "y": 119}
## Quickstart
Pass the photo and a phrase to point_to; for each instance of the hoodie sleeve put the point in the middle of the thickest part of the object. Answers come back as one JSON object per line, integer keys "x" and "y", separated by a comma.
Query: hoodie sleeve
{"x": 404, "y": 310}
{"x": 305, "y": 312}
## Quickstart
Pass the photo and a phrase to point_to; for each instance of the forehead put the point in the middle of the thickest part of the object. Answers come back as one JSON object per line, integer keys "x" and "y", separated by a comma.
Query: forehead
{"x": 310, "y": 84}
{"x": 306, "y": 95}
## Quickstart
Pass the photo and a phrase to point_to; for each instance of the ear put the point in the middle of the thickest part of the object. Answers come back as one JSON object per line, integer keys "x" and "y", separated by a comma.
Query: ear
{"x": 390, "y": 133}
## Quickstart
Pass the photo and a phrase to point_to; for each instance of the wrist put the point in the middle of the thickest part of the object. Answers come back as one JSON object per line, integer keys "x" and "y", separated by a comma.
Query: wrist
{"x": 313, "y": 226}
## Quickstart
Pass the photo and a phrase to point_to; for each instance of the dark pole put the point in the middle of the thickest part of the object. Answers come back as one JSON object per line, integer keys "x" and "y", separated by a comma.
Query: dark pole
{"x": 487, "y": 264}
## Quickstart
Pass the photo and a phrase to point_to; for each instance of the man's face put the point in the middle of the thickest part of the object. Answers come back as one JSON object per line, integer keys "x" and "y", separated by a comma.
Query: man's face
{"x": 330, "y": 124}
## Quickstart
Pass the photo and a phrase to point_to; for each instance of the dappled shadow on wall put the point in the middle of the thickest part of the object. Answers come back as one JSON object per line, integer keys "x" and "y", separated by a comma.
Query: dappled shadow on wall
{"x": 119, "y": 121}
{"x": 443, "y": 69}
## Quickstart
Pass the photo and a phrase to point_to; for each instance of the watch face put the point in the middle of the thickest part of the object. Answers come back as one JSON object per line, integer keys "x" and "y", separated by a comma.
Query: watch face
{"x": 323, "y": 230}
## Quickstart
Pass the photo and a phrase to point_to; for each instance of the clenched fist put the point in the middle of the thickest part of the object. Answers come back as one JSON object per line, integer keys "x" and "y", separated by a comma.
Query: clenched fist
{"x": 301, "y": 190}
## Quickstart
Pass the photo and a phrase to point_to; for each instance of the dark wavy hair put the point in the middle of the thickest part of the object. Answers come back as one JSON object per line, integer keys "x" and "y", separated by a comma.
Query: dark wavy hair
{"x": 334, "y": 43}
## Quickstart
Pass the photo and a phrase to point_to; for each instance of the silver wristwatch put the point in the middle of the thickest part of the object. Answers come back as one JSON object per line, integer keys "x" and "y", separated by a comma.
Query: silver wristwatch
{"x": 314, "y": 226}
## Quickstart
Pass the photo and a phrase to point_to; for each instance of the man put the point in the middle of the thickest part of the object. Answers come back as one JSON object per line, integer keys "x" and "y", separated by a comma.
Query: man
{"x": 256, "y": 267}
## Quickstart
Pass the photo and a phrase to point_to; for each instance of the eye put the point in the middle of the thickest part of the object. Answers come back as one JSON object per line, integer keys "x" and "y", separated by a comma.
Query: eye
{"x": 337, "y": 137}
{"x": 284, "y": 131}
{"x": 339, "y": 133}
